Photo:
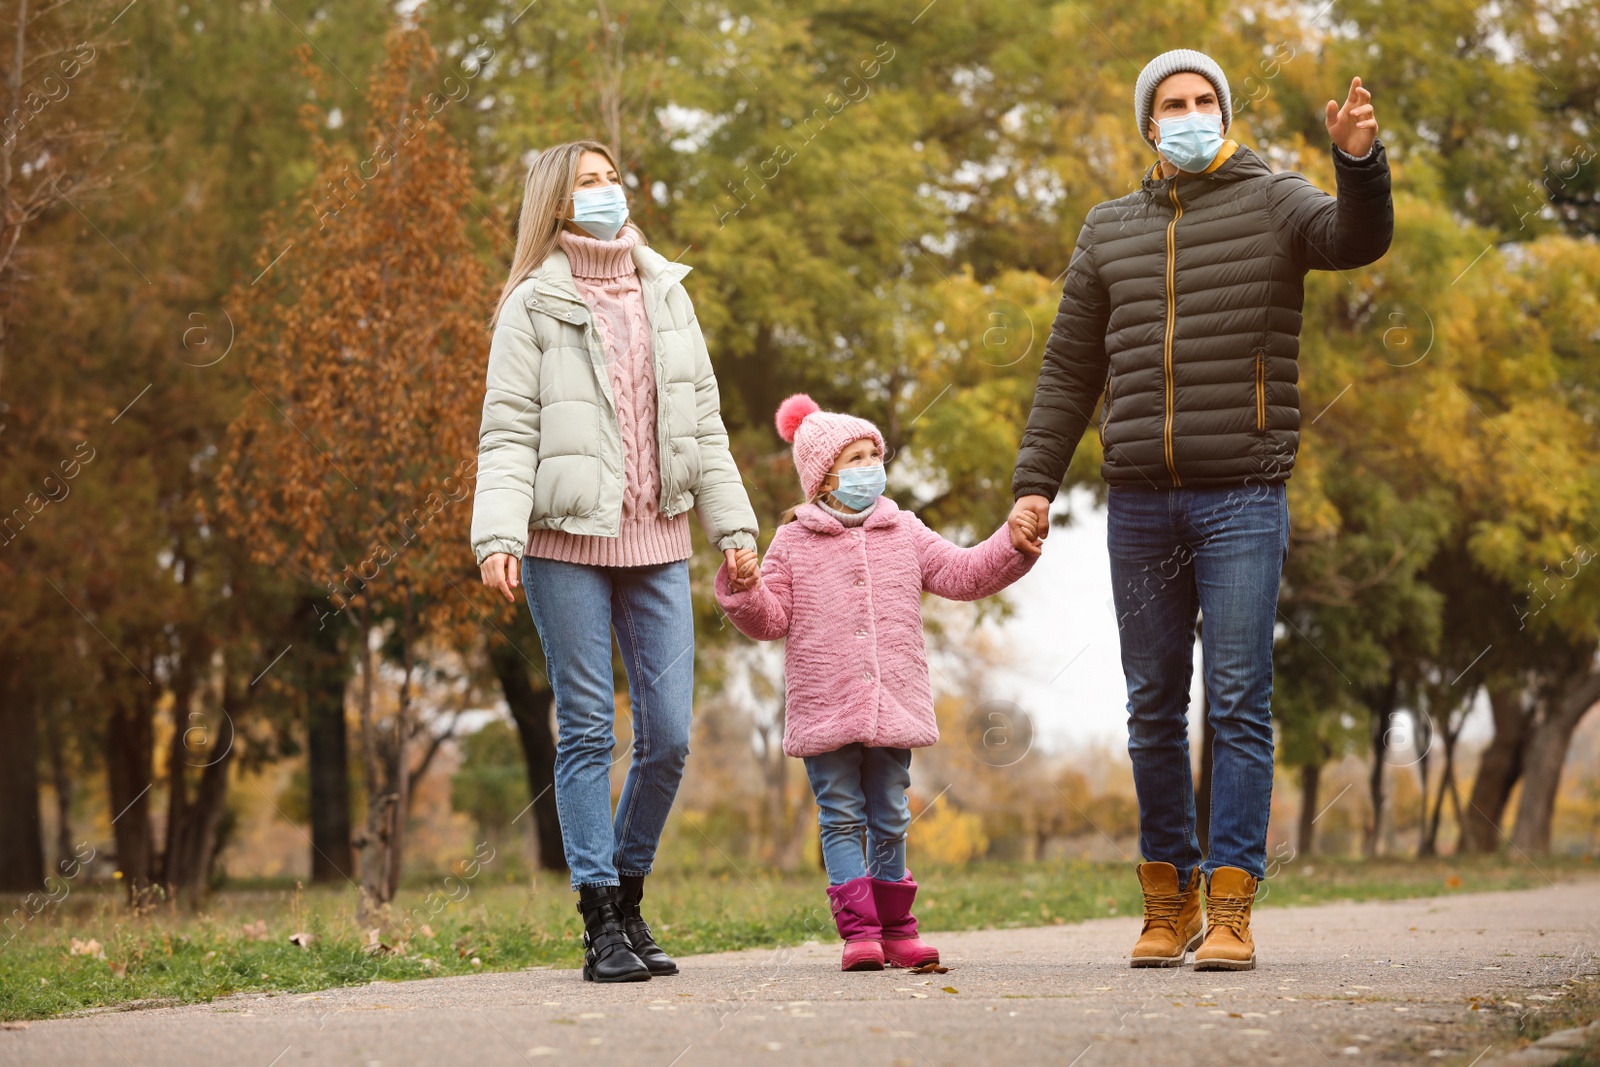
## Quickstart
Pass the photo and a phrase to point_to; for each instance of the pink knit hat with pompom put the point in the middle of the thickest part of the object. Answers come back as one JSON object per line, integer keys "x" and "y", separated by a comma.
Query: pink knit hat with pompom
{"x": 819, "y": 436}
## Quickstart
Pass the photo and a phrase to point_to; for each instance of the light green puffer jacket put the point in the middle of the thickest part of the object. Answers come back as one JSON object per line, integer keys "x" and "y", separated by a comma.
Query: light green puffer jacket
{"x": 549, "y": 450}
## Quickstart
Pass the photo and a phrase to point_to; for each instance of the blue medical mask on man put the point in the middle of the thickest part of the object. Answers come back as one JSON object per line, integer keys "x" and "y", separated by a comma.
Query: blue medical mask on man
{"x": 1191, "y": 141}
{"x": 601, "y": 212}
{"x": 860, "y": 486}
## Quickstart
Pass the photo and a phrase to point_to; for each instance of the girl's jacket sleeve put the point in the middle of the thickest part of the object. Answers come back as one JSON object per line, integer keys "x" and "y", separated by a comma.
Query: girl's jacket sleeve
{"x": 763, "y": 612}
{"x": 957, "y": 573}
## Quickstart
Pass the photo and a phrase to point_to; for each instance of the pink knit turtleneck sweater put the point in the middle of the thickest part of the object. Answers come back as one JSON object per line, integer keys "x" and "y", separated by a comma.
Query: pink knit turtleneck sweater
{"x": 608, "y": 281}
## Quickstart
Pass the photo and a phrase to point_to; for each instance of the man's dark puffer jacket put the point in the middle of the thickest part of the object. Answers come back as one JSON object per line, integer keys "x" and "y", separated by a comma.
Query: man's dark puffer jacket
{"x": 1183, "y": 306}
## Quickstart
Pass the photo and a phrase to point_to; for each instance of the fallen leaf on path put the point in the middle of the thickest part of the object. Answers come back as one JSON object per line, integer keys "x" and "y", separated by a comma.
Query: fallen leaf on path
{"x": 930, "y": 968}
{"x": 14, "y": 1026}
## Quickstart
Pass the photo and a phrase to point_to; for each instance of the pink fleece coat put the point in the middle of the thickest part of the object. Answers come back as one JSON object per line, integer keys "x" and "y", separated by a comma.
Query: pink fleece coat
{"x": 849, "y": 600}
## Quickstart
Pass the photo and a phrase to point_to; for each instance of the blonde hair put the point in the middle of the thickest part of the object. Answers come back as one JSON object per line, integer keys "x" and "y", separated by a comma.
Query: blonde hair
{"x": 788, "y": 516}
{"x": 545, "y": 196}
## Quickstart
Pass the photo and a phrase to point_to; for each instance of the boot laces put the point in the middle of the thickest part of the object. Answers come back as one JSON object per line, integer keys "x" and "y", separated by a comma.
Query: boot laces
{"x": 1232, "y": 912}
{"x": 1162, "y": 909}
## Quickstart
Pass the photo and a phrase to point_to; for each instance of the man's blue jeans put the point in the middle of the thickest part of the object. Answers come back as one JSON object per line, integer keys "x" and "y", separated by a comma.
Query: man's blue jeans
{"x": 575, "y": 607}
{"x": 861, "y": 789}
{"x": 1218, "y": 553}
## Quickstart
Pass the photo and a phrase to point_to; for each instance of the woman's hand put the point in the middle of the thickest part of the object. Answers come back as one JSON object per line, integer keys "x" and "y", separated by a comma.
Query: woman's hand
{"x": 749, "y": 567}
{"x": 744, "y": 568}
{"x": 500, "y": 572}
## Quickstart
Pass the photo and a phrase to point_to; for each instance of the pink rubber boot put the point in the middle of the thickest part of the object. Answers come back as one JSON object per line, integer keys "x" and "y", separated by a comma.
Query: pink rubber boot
{"x": 901, "y": 945}
{"x": 855, "y": 913}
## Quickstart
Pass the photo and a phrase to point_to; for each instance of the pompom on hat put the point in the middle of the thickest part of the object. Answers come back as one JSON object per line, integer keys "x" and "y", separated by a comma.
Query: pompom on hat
{"x": 818, "y": 437}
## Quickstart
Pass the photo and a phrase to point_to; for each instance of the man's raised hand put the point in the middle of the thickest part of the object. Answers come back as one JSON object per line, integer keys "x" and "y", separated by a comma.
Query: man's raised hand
{"x": 1352, "y": 127}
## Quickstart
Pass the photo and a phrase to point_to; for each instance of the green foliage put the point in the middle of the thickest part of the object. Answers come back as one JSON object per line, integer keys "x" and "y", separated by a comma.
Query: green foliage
{"x": 491, "y": 785}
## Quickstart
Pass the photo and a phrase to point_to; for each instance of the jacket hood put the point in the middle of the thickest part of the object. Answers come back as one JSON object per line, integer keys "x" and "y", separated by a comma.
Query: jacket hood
{"x": 884, "y": 513}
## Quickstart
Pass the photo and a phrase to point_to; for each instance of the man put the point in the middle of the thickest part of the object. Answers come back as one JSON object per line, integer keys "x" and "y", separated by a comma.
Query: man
{"x": 1182, "y": 305}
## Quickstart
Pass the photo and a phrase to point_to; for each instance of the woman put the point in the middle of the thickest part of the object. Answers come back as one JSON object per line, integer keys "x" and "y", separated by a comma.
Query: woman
{"x": 601, "y": 429}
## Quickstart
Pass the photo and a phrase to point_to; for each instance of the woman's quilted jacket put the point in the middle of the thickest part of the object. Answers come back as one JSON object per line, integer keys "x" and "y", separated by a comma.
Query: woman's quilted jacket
{"x": 550, "y": 455}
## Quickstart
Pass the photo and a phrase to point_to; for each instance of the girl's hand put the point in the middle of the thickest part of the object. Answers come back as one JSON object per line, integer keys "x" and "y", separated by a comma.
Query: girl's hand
{"x": 738, "y": 575}
{"x": 1024, "y": 522}
{"x": 747, "y": 567}
{"x": 499, "y": 571}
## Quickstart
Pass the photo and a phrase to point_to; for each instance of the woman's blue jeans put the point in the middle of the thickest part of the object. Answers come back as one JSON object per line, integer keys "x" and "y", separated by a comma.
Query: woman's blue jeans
{"x": 1218, "y": 553}
{"x": 575, "y": 609}
{"x": 861, "y": 790}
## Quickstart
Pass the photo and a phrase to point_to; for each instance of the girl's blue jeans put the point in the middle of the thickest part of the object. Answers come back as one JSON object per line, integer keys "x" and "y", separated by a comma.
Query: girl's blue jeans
{"x": 861, "y": 792}
{"x": 575, "y": 608}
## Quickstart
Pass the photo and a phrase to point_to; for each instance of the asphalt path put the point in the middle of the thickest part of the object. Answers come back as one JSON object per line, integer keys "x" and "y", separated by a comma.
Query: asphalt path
{"x": 1420, "y": 981}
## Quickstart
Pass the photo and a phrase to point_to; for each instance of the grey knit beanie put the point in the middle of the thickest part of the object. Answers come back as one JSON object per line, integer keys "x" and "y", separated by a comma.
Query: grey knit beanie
{"x": 1178, "y": 61}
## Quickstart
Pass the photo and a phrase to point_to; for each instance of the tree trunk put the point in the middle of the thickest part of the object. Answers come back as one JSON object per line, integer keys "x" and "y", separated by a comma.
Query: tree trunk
{"x": 21, "y": 829}
{"x": 1498, "y": 770}
{"x": 1202, "y": 789}
{"x": 1546, "y": 752}
{"x": 1382, "y": 710}
{"x": 1310, "y": 786}
{"x": 192, "y": 841}
{"x": 61, "y": 780}
{"x": 1422, "y": 741}
{"x": 128, "y": 779}
{"x": 399, "y": 757}
{"x": 531, "y": 706}
{"x": 374, "y": 839}
{"x": 1447, "y": 785}
{"x": 328, "y": 754}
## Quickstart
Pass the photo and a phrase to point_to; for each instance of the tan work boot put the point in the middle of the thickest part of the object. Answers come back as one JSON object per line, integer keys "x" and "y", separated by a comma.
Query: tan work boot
{"x": 1228, "y": 945}
{"x": 1172, "y": 921}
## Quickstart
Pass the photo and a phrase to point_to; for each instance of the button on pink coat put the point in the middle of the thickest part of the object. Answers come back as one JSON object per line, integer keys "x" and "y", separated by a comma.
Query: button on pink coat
{"x": 849, "y": 600}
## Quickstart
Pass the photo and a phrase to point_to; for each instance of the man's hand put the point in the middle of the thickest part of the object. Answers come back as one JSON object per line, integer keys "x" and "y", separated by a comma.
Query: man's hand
{"x": 1352, "y": 127}
{"x": 1030, "y": 524}
{"x": 744, "y": 570}
{"x": 499, "y": 571}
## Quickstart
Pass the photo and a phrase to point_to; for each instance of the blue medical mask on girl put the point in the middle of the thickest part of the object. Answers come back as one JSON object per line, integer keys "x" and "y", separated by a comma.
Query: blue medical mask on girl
{"x": 601, "y": 212}
{"x": 1191, "y": 141}
{"x": 860, "y": 486}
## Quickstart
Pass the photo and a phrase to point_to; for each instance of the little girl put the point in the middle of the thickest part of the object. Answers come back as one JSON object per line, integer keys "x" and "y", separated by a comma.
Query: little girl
{"x": 843, "y": 582}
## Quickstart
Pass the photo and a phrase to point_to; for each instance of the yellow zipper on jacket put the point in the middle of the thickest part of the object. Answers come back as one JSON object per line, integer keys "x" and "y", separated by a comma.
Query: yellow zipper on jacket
{"x": 1261, "y": 390}
{"x": 1172, "y": 325}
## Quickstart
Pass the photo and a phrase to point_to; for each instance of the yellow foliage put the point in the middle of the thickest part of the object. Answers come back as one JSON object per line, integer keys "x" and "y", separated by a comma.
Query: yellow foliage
{"x": 945, "y": 835}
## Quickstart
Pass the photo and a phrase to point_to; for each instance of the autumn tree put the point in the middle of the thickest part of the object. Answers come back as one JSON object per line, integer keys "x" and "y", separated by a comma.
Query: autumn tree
{"x": 353, "y": 464}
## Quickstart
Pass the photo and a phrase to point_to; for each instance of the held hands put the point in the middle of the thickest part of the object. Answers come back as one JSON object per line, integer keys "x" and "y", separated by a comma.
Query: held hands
{"x": 499, "y": 571}
{"x": 1352, "y": 127}
{"x": 744, "y": 568}
{"x": 1029, "y": 524}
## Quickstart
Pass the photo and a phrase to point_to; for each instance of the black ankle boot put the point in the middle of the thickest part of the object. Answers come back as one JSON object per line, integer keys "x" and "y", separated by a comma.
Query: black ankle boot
{"x": 639, "y": 936}
{"x": 607, "y": 956}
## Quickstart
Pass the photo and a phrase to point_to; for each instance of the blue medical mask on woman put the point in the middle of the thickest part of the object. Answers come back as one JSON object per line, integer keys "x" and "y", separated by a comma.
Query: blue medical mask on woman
{"x": 601, "y": 212}
{"x": 860, "y": 486}
{"x": 1191, "y": 141}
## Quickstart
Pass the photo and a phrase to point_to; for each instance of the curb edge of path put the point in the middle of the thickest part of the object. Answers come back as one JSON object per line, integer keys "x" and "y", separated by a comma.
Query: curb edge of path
{"x": 1549, "y": 1049}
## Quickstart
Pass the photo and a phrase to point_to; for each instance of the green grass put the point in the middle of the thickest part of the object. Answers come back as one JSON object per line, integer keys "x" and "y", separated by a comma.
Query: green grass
{"x": 166, "y": 955}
